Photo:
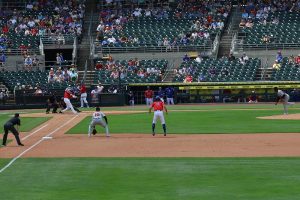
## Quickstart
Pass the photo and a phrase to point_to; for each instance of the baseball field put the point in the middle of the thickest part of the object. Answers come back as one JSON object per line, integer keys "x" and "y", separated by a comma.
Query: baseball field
{"x": 216, "y": 151}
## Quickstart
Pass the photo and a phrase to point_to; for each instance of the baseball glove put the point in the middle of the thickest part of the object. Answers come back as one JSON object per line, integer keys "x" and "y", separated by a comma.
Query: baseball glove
{"x": 94, "y": 131}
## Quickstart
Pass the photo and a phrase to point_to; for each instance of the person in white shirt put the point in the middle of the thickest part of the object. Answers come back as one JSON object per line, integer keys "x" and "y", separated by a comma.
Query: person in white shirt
{"x": 98, "y": 118}
{"x": 284, "y": 98}
{"x": 198, "y": 59}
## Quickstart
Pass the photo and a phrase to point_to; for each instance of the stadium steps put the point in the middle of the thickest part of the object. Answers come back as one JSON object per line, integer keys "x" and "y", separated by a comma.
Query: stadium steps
{"x": 84, "y": 47}
{"x": 229, "y": 31}
{"x": 90, "y": 76}
{"x": 263, "y": 74}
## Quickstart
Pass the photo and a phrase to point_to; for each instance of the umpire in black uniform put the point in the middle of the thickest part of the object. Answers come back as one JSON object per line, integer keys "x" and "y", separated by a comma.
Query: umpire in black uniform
{"x": 9, "y": 126}
{"x": 52, "y": 102}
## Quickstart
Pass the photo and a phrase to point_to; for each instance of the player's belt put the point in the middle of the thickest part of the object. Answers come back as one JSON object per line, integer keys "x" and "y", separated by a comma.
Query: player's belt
{"x": 157, "y": 110}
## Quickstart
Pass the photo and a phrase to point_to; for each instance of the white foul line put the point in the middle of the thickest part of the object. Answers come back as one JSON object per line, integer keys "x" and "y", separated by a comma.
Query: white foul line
{"x": 38, "y": 142}
{"x": 24, "y": 138}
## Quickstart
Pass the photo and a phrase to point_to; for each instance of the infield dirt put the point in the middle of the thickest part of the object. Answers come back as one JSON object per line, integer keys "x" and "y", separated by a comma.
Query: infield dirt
{"x": 145, "y": 145}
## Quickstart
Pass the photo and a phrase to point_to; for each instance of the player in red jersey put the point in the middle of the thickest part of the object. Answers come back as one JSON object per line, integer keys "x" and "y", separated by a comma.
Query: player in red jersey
{"x": 149, "y": 96}
{"x": 158, "y": 107}
{"x": 83, "y": 96}
{"x": 69, "y": 94}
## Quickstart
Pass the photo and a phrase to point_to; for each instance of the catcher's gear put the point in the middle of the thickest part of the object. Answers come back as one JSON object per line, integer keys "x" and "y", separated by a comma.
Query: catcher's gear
{"x": 94, "y": 131}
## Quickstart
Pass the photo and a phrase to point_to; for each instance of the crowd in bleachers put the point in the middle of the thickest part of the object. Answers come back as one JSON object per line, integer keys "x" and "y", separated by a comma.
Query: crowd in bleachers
{"x": 223, "y": 69}
{"x": 286, "y": 69}
{"x": 190, "y": 22}
{"x": 271, "y": 21}
{"x": 63, "y": 75}
{"x": 19, "y": 28}
{"x": 133, "y": 70}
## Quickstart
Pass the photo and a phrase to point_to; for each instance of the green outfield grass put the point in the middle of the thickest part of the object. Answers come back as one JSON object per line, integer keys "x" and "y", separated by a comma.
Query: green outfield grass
{"x": 206, "y": 119}
{"x": 27, "y": 123}
{"x": 152, "y": 178}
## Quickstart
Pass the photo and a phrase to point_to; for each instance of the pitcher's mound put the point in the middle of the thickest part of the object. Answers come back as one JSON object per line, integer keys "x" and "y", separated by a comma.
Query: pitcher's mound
{"x": 289, "y": 116}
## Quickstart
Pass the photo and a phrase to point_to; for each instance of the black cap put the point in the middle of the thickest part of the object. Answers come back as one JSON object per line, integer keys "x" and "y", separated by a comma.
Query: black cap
{"x": 17, "y": 114}
{"x": 97, "y": 109}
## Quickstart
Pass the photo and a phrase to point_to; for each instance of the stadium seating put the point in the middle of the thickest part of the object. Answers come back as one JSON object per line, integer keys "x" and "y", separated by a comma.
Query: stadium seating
{"x": 155, "y": 70}
{"x": 287, "y": 72}
{"x": 48, "y": 17}
{"x": 175, "y": 25}
{"x": 287, "y": 31}
{"x": 29, "y": 78}
{"x": 224, "y": 70}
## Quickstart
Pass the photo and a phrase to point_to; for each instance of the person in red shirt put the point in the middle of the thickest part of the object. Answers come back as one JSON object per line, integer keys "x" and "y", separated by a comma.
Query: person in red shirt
{"x": 297, "y": 59}
{"x": 149, "y": 96}
{"x": 83, "y": 96}
{"x": 5, "y": 29}
{"x": 158, "y": 107}
{"x": 69, "y": 94}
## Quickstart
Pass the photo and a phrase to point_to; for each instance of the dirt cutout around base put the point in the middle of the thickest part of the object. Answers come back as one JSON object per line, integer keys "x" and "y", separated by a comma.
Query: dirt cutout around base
{"x": 145, "y": 145}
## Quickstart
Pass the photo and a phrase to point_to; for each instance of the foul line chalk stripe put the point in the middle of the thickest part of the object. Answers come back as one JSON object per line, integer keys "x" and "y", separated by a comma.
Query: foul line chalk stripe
{"x": 34, "y": 145}
{"x": 24, "y": 138}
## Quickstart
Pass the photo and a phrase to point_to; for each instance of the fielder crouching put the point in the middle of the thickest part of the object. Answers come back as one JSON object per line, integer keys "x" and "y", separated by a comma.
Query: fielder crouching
{"x": 97, "y": 119}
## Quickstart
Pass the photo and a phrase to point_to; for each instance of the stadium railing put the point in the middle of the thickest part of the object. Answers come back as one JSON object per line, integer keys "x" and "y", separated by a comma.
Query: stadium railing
{"x": 151, "y": 48}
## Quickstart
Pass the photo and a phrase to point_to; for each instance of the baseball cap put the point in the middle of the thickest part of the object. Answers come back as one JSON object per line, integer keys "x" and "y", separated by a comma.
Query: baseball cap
{"x": 17, "y": 114}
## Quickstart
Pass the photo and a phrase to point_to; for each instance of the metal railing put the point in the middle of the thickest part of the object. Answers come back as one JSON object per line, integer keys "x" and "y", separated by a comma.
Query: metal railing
{"x": 41, "y": 47}
{"x": 150, "y": 48}
{"x": 64, "y": 39}
{"x": 20, "y": 52}
{"x": 12, "y": 4}
{"x": 233, "y": 43}
{"x": 267, "y": 46}
{"x": 85, "y": 71}
{"x": 168, "y": 70}
{"x": 74, "y": 53}
{"x": 216, "y": 44}
{"x": 264, "y": 69}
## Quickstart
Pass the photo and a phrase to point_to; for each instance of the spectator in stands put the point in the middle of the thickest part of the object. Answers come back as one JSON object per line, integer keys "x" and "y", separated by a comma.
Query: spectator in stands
{"x": 212, "y": 71}
{"x": 114, "y": 74}
{"x": 225, "y": 72}
{"x": 99, "y": 65}
{"x": 166, "y": 43}
{"x": 58, "y": 59}
{"x": 28, "y": 63}
{"x": 242, "y": 23}
{"x": 244, "y": 59}
{"x": 249, "y": 23}
{"x": 297, "y": 60}
{"x": 199, "y": 59}
{"x": 188, "y": 79}
{"x": 186, "y": 58}
{"x": 23, "y": 48}
{"x": 61, "y": 39}
{"x": 66, "y": 75}
{"x": 73, "y": 75}
{"x": 201, "y": 78}
{"x": 62, "y": 58}
{"x": 38, "y": 91}
{"x": 2, "y": 59}
{"x": 291, "y": 59}
{"x": 276, "y": 65}
{"x": 35, "y": 61}
{"x": 231, "y": 57}
{"x": 266, "y": 39}
{"x": 279, "y": 57}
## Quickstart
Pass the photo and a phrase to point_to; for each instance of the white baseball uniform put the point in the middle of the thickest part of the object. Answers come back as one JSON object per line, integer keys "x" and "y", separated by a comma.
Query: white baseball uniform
{"x": 285, "y": 100}
{"x": 67, "y": 96}
{"x": 97, "y": 119}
